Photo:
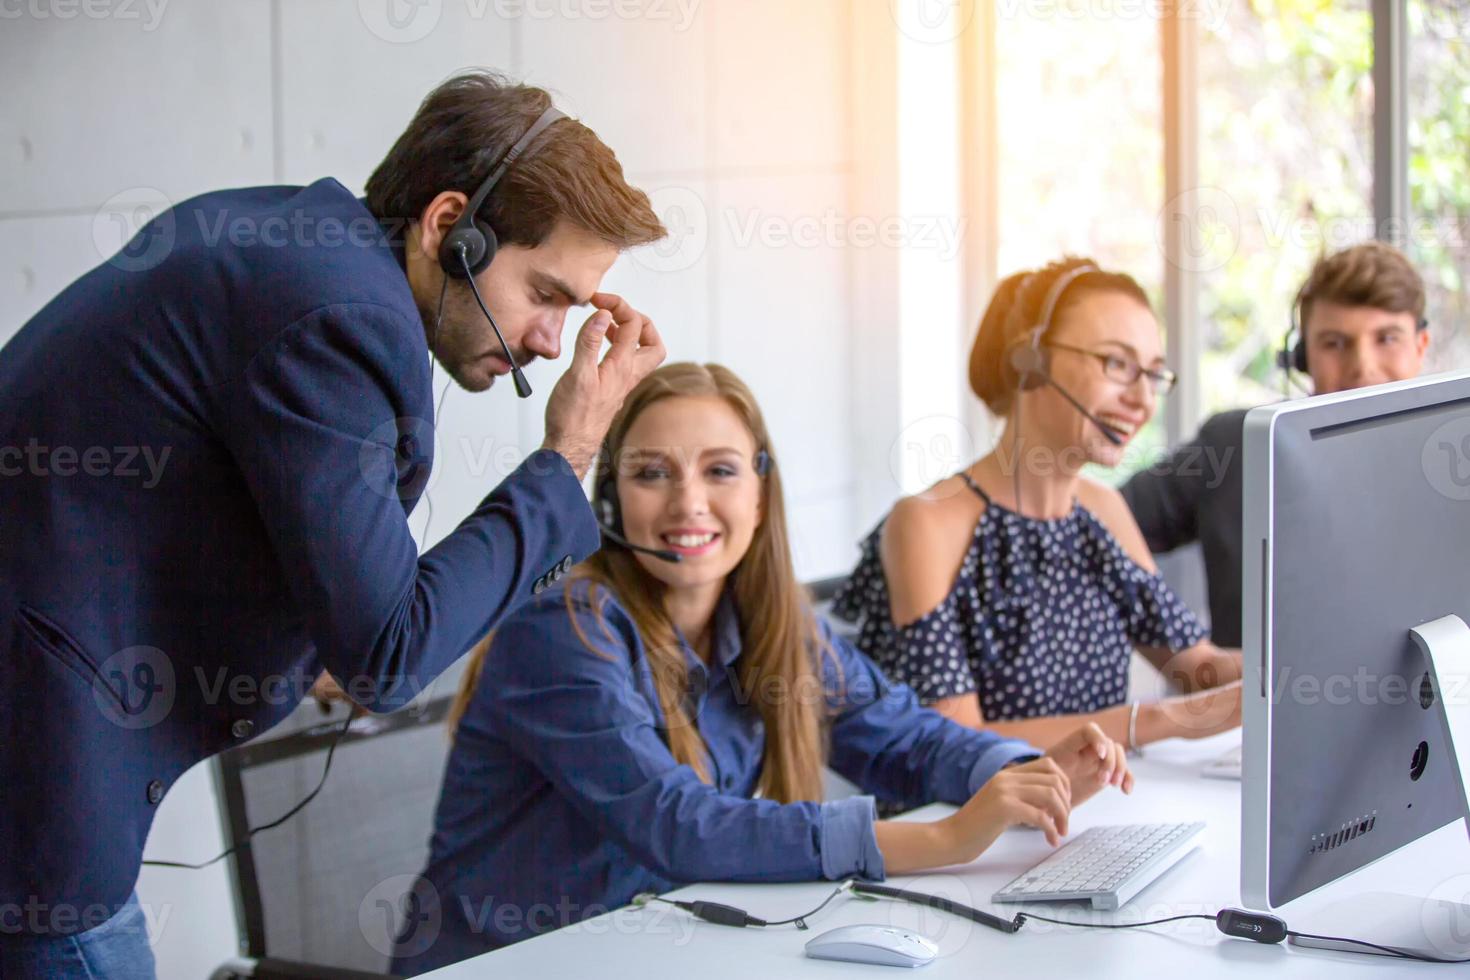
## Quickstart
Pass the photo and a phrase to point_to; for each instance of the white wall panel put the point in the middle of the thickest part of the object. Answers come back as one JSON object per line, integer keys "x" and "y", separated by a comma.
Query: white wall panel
{"x": 352, "y": 78}
{"x": 180, "y": 103}
{"x": 639, "y": 82}
{"x": 38, "y": 258}
{"x": 823, "y": 543}
{"x": 671, "y": 280}
{"x": 783, "y": 316}
{"x": 781, "y": 74}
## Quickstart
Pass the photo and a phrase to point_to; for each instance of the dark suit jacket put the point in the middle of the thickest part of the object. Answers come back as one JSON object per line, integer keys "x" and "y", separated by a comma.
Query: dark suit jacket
{"x": 1196, "y": 495}
{"x": 208, "y": 448}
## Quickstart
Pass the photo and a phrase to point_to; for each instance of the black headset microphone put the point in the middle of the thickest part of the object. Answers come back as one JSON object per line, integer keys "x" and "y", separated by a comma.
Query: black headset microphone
{"x": 609, "y": 514}
{"x": 471, "y": 244}
{"x": 1031, "y": 364}
{"x": 662, "y": 554}
{"x": 1032, "y": 367}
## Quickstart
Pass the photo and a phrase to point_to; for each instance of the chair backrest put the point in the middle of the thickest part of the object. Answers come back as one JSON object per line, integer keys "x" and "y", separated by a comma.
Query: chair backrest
{"x": 823, "y": 591}
{"x": 326, "y": 887}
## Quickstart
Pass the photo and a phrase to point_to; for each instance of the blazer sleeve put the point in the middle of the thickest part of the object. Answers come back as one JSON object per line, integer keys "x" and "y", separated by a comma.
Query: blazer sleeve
{"x": 315, "y": 424}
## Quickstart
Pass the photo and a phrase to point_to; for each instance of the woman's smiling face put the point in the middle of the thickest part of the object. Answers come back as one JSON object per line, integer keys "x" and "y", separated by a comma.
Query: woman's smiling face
{"x": 1100, "y": 326}
{"x": 687, "y": 483}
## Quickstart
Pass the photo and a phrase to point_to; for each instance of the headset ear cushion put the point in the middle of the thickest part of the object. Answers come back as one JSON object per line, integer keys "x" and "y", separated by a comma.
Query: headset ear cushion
{"x": 460, "y": 239}
{"x": 762, "y": 462}
{"x": 1299, "y": 357}
{"x": 1029, "y": 363}
{"x": 607, "y": 504}
{"x": 492, "y": 245}
{"x": 478, "y": 242}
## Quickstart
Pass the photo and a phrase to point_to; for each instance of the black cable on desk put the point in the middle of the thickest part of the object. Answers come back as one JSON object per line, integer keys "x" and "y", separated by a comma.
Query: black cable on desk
{"x": 728, "y": 915}
{"x": 1259, "y": 927}
{"x": 1022, "y": 917}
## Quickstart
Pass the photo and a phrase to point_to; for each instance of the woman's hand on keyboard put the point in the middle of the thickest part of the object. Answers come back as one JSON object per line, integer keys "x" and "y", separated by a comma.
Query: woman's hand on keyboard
{"x": 1039, "y": 793}
{"x": 1091, "y": 761}
{"x": 1033, "y": 794}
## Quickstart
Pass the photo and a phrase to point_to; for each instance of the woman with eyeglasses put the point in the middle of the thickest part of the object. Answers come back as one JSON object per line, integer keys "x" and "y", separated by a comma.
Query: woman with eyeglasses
{"x": 1012, "y": 595}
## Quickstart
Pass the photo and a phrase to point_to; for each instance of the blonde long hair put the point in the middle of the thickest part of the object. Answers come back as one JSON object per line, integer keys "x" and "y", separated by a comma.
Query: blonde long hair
{"x": 780, "y": 666}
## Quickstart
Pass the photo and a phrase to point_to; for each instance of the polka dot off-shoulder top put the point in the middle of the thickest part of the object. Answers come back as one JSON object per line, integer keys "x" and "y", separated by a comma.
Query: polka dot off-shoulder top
{"x": 1041, "y": 619}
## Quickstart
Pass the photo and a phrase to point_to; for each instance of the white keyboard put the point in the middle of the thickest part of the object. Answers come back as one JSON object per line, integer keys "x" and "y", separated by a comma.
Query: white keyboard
{"x": 1104, "y": 865}
{"x": 1225, "y": 767}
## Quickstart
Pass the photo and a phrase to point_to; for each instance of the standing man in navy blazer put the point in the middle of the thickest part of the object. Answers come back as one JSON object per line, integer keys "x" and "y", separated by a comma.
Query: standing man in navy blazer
{"x": 209, "y": 446}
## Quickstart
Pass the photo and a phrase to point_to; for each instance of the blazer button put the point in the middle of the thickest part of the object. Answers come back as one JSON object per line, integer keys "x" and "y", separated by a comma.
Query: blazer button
{"x": 243, "y": 728}
{"x": 155, "y": 791}
{"x": 539, "y": 587}
{"x": 566, "y": 564}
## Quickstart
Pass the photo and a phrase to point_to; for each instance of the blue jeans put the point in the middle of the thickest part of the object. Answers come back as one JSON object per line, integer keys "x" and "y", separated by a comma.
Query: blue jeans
{"x": 116, "y": 950}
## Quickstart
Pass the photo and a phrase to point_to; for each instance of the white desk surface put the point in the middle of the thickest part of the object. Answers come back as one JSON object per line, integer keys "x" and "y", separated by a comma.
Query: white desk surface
{"x": 660, "y": 941}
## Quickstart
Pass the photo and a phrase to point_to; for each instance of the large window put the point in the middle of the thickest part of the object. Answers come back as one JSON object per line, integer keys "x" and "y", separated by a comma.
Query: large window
{"x": 1285, "y": 155}
{"x": 1080, "y": 148}
{"x": 1438, "y": 229}
{"x": 1284, "y": 121}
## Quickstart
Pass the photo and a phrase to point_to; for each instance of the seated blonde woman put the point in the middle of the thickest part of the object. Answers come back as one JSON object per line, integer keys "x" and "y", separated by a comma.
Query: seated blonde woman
{"x": 645, "y": 723}
{"x": 1012, "y": 595}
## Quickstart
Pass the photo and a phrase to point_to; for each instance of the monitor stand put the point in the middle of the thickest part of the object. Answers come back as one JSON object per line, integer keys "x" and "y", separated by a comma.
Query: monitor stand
{"x": 1433, "y": 926}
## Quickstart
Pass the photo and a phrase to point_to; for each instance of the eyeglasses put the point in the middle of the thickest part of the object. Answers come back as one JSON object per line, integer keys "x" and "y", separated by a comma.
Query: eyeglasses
{"x": 1127, "y": 371}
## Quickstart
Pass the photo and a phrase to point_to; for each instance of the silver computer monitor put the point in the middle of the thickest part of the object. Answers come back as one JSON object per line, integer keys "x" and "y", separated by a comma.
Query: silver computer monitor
{"x": 1356, "y": 534}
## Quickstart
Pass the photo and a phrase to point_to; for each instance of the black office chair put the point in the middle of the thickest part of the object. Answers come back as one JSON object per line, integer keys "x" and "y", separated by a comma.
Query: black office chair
{"x": 321, "y": 896}
{"x": 823, "y": 590}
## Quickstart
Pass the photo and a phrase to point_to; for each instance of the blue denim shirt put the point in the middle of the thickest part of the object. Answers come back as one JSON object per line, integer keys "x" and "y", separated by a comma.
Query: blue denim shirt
{"x": 561, "y": 799}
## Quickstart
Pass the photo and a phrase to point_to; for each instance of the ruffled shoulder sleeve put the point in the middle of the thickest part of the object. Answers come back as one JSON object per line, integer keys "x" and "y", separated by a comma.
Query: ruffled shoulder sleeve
{"x": 1154, "y": 615}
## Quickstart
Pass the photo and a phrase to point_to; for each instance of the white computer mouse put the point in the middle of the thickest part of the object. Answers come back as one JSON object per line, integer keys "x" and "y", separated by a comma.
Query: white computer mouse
{"x": 883, "y": 945}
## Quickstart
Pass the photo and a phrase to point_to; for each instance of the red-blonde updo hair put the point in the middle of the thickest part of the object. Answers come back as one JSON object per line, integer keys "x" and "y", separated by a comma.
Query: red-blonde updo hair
{"x": 1017, "y": 308}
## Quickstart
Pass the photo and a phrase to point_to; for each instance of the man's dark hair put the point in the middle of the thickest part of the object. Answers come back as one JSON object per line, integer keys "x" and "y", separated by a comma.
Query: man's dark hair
{"x": 464, "y": 127}
{"x": 1369, "y": 274}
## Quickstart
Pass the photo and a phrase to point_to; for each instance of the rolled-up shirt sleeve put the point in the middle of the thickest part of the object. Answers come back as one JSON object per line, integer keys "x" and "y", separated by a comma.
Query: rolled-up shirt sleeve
{"x": 889, "y": 744}
{"x": 848, "y": 841}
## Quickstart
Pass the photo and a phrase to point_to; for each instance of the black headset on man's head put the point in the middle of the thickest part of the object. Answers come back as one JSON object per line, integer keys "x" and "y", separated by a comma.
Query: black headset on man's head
{"x": 471, "y": 244}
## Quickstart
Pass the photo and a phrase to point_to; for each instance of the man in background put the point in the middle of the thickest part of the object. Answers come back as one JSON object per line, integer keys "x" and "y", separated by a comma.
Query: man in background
{"x": 1360, "y": 322}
